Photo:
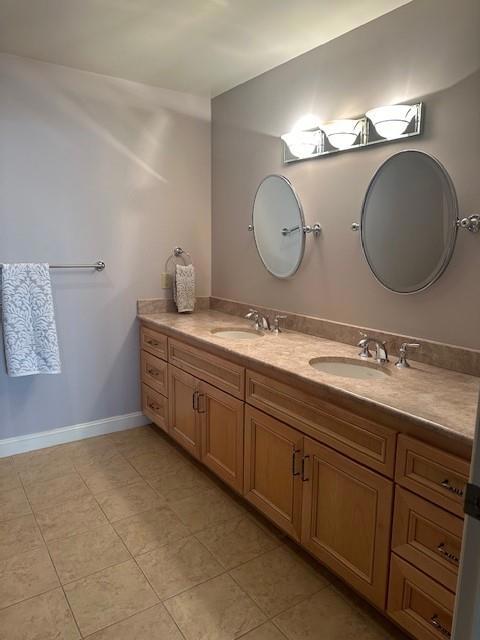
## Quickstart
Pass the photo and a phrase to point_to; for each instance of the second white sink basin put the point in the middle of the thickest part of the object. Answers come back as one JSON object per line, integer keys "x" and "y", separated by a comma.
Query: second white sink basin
{"x": 237, "y": 333}
{"x": 349, "y": 368}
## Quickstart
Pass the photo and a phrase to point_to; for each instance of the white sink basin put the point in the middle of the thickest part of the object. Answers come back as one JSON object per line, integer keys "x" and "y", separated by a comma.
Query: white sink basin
{"x": 239, "y": 333}
{"x": 349, "y": 368}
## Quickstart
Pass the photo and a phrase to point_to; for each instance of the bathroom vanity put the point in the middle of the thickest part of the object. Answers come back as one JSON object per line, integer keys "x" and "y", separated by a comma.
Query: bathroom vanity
{"x": 368, "y": 475}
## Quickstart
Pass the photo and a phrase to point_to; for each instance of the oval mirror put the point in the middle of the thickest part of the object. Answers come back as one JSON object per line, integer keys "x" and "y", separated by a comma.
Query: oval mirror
{"x": 409, "y": 222}
{"x": 278, "y": 223}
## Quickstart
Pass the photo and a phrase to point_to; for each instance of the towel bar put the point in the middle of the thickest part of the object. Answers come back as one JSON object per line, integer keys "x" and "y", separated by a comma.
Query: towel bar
{"x": 98, "y": 266}
{"x": 178, "y": 252}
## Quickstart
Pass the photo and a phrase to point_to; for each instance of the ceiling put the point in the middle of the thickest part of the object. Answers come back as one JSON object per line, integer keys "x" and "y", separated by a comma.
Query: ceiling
{"x": 198, "y": 46}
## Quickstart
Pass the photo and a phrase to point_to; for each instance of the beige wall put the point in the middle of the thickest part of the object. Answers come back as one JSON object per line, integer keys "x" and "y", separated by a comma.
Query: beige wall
{"x": 428, "y": 49}
{"x": 95, "y": 167}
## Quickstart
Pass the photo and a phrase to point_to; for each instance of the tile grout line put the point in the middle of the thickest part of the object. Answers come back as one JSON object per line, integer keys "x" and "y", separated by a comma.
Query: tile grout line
{"x": 270, "y": 618}
{"x": 162, "y": 602}
{"x": 49, "y": 554}
{"x": 90, "y": 635}
{"x": 53, "y": 564}
{"x": 132, "y": 556}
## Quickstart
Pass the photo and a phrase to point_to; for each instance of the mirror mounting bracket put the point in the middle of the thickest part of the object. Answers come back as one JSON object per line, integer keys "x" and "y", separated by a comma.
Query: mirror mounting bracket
{"x": 470, "y": 223}
{"x": 316, "y": 229}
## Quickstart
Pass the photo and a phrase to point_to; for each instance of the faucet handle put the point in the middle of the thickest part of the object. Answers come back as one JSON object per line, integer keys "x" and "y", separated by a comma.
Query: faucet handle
{"x": 276, "y": 324}
{"x": 402, "y": 362}
{"x": 364, "y": 344}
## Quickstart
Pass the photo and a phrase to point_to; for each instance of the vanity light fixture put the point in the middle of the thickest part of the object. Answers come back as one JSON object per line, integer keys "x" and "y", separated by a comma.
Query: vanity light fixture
{"x": 392, "y": 121}
{"x": 343, "y": 134}
{"x": 303, "y": 144}
{"x": 380, "y": 125}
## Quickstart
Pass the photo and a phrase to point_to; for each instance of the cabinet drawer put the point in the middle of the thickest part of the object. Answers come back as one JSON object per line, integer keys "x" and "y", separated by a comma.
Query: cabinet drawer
{"x": 363, "y": 440}
{"x": 153, "y": 372}
{"x": 155, "y": 407}
{"x": 221, "y": 373}
{"x": 434, "y": 474}
{"x": 153, "y": 342}
{"x": 418, "y": 604}
{"x": 428, "y": 537}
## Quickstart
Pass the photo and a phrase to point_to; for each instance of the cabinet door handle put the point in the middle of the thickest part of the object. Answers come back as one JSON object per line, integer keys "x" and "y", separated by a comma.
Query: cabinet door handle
{"x": 304, "y": 479}
{"x": 447, "y": 554}
{"x": 153, "y": 372}
{"x": 153, "y": 343}
{"x": 154, "y": 406}
{"x": 294, "y": 466}
{"x": 201, "y": 395}
{"x": 435, "y": 622}
{"x": 195, "y": 401}
{"x": 446, "y": 484}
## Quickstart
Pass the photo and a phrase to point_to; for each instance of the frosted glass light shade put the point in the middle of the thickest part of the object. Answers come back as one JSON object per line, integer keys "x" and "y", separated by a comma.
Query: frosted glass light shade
{"x": 302, "y": 144}
{"x": 342, "y": 134}
{"x": 392, "y": 121}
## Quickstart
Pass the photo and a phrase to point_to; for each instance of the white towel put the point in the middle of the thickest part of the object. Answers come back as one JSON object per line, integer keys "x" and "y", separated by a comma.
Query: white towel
{"x": 29, "y": 330}
{"x": 184, "y": 287}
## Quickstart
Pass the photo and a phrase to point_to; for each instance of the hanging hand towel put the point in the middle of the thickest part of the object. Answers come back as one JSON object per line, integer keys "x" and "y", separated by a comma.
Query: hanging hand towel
{"x": 29, "y": 330}
{"x": 184, "y": 287}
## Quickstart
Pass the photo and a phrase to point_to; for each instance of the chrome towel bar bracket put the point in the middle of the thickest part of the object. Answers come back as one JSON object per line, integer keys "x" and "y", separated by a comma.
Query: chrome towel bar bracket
{"x": 316, "y": 229}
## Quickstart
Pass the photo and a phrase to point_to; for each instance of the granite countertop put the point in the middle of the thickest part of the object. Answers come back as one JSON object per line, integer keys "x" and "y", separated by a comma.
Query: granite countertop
{"x": 438, "y": 399}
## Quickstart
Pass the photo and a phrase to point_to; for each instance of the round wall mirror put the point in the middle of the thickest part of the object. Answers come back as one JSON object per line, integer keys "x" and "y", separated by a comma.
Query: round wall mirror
{"x": 409, "y": 222}
{"x": 278, "y": 223}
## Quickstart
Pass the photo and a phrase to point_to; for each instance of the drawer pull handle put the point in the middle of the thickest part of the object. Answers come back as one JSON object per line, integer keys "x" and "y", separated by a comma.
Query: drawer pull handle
{"x": 201, "y": 395}
{"x": 154, "y": 406}
{"x": 447, "y": 554}
{"x": 153, "y": 372}
{"x": 304, "y": 478}
{"x": 435, "y": 622}
{"x": 195, "y": 401}
{"x": 294, "y": 466}
{"x": 153, "y": 343}
{"x": 449, "y": 487}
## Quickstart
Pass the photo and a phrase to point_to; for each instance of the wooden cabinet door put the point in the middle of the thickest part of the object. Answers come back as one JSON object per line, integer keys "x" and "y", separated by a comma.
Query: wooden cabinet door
{"x": 273, "y": 453}
{"x": 221, "y": 418}
{"x": 347, "y": 518}
{"x": 184, "y": 425}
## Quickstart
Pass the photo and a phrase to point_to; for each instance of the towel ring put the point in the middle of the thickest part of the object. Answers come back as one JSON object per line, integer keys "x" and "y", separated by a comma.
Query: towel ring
{"x": 178, "y": 252}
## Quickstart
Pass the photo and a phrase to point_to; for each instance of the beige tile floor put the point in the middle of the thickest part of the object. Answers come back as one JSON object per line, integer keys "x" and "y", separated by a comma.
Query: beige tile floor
{"x": 124, "y": 537}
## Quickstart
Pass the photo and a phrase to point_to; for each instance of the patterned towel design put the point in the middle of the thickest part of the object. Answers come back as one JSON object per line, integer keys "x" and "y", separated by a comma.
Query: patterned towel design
{"x": 29, "y": 330}
{"x": 184, "y": 288}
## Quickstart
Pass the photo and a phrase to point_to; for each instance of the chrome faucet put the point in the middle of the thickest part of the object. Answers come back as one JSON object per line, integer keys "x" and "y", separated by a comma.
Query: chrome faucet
{"x": 276, "y": 324}
{"x": 402, "y": 362}
{"x": 381, "y": 354}
{"x": 260, "y": 320}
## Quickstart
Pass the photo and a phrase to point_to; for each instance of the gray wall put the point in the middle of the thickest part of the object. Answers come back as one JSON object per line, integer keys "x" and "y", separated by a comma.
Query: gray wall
{"x": 428, "y": 49}
{"x": 93, "y": 167}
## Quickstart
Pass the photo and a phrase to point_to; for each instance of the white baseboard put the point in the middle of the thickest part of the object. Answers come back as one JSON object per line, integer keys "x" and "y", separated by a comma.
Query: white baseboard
{"x": 21, "y": 444}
